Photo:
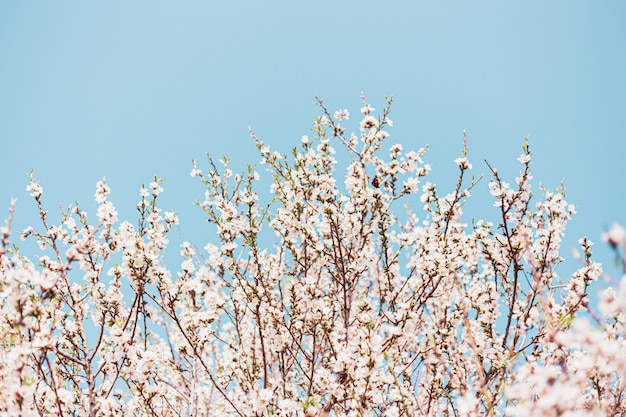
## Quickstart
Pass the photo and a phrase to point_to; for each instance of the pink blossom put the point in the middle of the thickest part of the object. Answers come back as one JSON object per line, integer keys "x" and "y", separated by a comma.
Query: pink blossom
{"x": 463, "y": 163}
{"x": 35, "y": 189}
{"x": 615, "y": 236}
{"x": 524, "y": 158}
{"x": 342, "y": 296}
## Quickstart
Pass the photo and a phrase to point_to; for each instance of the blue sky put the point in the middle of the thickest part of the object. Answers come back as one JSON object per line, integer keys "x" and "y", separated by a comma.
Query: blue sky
{"x": 129, "y": 90}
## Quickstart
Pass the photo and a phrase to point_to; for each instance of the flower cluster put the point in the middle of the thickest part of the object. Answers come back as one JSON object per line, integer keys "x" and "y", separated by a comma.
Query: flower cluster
{"x": 322, "y": 301}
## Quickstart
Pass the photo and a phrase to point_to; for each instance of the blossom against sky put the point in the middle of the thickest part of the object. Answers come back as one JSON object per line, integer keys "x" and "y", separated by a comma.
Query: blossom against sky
{"x": 133, "y": 90}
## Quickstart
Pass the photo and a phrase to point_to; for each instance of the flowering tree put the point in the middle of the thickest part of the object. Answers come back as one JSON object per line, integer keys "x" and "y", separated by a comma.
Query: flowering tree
{"x": 326, "y": 301}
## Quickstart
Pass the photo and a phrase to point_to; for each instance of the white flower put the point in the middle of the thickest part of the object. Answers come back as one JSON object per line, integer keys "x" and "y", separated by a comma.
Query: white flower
{"x": 106, "y": 213}
{"x": 35, "y": 189}
{"x": 463, "y": 163}
{"x": 170, "y": 217}
{"x": 368, "y": 122}
{"x": 102, "y": 190}
{"x": 411, "y": 184}
{"x": 524, "y": 158}
{"x": 367, "y": 109}
{"x": 287, "y": 405}
{"x": 467, "y": 403}
{"x": 495, "y": 190}
{"x": 342, "y": 114}
{"x": 156, "y": 188}
{"x": 615, "y": 236}
{"x": 188, "y": 266}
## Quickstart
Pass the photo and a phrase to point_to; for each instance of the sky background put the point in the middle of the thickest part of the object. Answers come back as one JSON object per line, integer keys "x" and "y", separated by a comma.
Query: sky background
{"x": 129, "y": 90}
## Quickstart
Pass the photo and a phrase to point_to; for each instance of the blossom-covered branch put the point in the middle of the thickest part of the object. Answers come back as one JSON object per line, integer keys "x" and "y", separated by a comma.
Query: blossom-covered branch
{"x": 322, "y": 300}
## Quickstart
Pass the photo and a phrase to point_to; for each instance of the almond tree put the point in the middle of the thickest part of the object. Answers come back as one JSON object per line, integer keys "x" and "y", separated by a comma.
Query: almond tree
{"x": 331, "y": 299}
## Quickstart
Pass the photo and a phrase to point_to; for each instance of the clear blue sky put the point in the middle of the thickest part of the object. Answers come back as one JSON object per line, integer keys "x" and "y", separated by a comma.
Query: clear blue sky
{"x": 128, "y": 90}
